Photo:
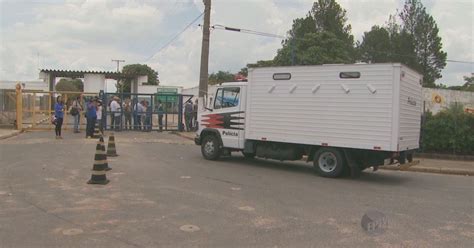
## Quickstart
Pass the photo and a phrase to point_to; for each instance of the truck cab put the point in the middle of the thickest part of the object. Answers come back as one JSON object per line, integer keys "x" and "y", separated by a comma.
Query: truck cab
{"x": 222, "y": 121}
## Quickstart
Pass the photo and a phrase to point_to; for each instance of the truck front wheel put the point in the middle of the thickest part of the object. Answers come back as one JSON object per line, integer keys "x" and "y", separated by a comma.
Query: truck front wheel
{"x": 210, "y": 147}
{"x": 328, "y": 162}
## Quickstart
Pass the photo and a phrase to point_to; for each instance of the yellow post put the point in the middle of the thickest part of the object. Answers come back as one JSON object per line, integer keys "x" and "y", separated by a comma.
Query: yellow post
{"x": 19, "y": 107}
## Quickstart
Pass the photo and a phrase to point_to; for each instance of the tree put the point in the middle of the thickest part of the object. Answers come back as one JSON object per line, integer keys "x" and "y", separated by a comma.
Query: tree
{"x": 220, "y": 77}
{"x": 321, "y": 37}
{"x": 427, "y": 43}
{"x": 73, "y": 85}
{"x": 261, "y": 63}
{"x": 244, "y": 71}
{"x": 376, "y": 46}
{"x": 135, "y": 70}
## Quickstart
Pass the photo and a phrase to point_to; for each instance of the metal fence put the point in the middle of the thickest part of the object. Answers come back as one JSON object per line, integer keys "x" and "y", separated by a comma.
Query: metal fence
{"x": 144, "y": 112}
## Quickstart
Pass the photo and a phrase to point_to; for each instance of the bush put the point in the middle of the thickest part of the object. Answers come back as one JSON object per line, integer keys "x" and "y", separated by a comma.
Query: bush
{"x": 449, "y": 131}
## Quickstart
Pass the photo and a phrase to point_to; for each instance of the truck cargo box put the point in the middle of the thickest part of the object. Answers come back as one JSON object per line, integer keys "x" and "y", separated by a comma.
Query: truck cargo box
{"x": 366, "y": 106}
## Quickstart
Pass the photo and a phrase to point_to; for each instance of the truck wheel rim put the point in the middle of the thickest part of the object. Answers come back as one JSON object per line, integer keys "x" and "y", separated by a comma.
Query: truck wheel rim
{"x": 209, "y": 147}
{"x": 327, "y": 162}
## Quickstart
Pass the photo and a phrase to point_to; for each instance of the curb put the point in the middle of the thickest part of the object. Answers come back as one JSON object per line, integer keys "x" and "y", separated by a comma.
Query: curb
{"x": 182, "y": 135}
{"x": 432, "y": 170}
{"x": 445, "y": 156}
{"x": 6, "y": 136}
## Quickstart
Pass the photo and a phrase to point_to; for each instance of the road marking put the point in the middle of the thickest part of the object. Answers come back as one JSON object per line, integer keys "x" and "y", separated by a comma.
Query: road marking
{"x": 73, "y": 231}
{"x": 235, "y": 188}
{"x": 185, "y": 177}
{"x": 189, "y": 228}
{"x": 246, "y": 208}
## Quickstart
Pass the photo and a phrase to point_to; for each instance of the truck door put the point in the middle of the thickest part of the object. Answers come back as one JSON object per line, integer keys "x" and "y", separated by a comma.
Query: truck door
{"x": 227, "y": 116}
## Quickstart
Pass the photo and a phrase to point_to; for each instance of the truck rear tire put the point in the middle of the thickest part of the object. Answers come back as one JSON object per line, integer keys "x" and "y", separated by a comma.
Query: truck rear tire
{"x": 210, "y": 147}
{"x": 328, "y": 162}
{"x": 249, "y": 155}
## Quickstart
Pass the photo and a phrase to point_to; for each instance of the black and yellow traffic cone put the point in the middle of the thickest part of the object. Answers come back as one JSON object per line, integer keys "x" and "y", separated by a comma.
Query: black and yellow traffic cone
{"x": 102, "y": 144}
{"x": 98, "y": 170}
{"x": 111, "y": 151}
{"x": 96, "y": 134}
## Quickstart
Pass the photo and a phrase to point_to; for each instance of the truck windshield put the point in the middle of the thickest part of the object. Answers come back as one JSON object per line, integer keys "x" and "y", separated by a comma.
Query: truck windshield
{"x": 227, "y": 97}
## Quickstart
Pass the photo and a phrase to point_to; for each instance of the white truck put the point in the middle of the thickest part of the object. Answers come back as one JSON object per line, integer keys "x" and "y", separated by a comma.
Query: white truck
{"x": 341, "y": 117}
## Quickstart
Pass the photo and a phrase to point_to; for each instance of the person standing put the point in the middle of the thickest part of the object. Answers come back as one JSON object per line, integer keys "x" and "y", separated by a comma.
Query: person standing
{"x": 116, "y": 112}
{"x": 160, "y": 116}
{"x": 91, "y": 115}
{"x": 188, "y": 115}
{"x": 100, "y": 122}
{"x": 127, "y": 110}
{"x": 76, "y": 109}
{"x": 59, "y": 114}
{"x": 148, "y": 114}
{"x": 138, "y": 110}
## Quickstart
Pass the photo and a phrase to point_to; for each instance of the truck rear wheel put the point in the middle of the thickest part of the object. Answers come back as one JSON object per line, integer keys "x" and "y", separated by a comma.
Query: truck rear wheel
{"x": 248, "y": 155}
{"x": 328, "y": 162}
{"x": 210, "y": 147}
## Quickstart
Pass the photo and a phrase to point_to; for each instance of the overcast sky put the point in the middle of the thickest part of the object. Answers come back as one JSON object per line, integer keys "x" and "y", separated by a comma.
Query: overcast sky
{"x": 87, "y": 34}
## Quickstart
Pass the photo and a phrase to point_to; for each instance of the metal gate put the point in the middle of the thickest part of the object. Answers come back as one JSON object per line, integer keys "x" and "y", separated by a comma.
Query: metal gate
{"x": 143, "y": 112}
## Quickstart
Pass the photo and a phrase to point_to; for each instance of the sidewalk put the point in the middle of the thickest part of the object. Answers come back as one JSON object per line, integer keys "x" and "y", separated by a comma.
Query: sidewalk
{"x": 7, "y": 133}
{"x": 186, "y": 135}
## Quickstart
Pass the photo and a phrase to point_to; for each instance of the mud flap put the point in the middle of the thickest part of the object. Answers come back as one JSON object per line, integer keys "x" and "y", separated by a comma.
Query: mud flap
{"x": 355, "y": 170}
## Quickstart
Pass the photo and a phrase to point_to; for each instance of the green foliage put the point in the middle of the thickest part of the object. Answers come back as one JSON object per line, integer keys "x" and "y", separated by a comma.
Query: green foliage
{"x": 375, "y": 45}
{"x": 244, "y": 71}
{"x": 321, "y": 37}
{"x": 135, "y": 70}
{"x": 316, "y": 48}
{"x": 449, "y": 131}
{"x": 261, "y": 63}
{"x": 220, "y": 77}
{"x": 74, "y": 85}
{"x": 430, "y": 57}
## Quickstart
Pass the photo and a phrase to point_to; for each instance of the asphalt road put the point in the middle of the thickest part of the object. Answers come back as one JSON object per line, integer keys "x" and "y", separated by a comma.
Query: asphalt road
{"x": 164, "y": 194}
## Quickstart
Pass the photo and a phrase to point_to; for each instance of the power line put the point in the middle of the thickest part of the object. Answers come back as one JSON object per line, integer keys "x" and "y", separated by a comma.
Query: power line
{"x": 248, "y": 31}
{"x": 174, "y": 37}
{"x": 460, "y": 61}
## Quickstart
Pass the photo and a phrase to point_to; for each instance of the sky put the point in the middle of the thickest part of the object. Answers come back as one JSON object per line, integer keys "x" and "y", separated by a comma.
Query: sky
{"x": 88, "y": 34}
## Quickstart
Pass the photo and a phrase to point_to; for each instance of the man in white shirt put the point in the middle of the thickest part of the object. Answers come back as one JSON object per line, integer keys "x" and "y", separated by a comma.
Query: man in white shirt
{"x": 116, "y": 113}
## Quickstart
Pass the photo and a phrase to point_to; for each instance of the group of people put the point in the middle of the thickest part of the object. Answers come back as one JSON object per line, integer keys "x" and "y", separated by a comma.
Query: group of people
{"x": 93, "y": 114}
{"x": 140, "y": 111}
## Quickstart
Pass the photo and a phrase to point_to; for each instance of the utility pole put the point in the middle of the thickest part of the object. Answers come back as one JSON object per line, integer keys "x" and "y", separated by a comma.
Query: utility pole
{"x": 118, "y": 70}
{"x": 118, "y": 63}
{"x": 204, "y": 73}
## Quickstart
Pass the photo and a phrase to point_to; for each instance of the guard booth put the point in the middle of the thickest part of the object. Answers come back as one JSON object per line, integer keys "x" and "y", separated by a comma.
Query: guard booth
{"x": 142, "y": 112}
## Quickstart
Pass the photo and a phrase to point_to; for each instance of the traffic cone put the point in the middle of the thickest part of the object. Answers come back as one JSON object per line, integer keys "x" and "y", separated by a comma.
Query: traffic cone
{"x": 98, "y": 170}
{"x": 96, "y": 134}
{"x": 102, "y": 145}
{"x": 111, "y": 151}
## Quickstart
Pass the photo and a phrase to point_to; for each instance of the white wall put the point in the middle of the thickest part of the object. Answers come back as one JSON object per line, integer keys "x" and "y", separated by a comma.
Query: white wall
{"x": 94, "y": 83}
{"x": 147, "y": 89}
{"x": 437, "y": 99}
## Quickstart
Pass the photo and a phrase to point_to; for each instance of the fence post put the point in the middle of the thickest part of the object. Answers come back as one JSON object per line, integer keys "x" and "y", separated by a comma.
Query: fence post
{"x": 19, "y": 107}
{"x": 180, "y": 113}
